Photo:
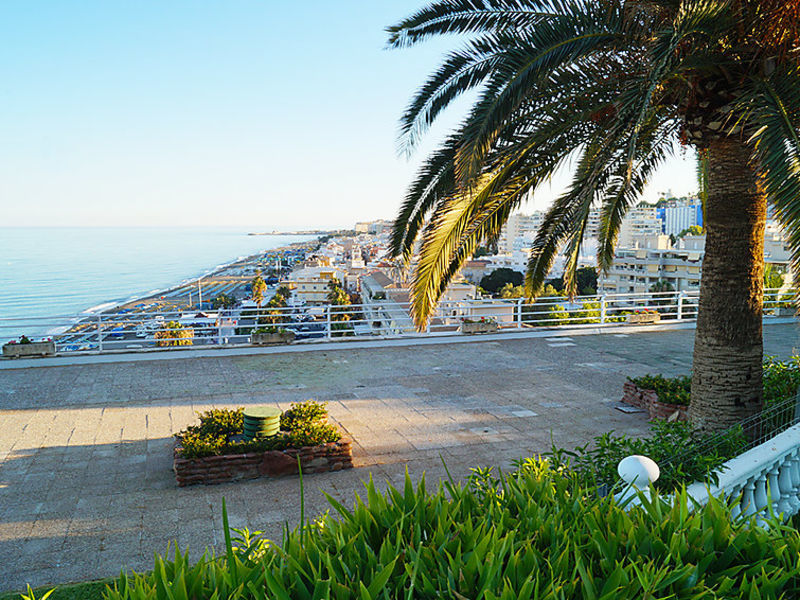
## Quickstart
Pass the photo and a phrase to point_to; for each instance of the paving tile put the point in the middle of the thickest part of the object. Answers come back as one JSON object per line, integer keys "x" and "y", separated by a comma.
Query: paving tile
{"x": 86, "y": 464}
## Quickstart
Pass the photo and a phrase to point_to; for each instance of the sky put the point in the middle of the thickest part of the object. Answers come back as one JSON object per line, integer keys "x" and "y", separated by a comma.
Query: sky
{"x": 232, "y": 113}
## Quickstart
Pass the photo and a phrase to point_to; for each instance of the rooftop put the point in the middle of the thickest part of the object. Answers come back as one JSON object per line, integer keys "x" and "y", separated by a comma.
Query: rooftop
{"x": 85, "y": 448}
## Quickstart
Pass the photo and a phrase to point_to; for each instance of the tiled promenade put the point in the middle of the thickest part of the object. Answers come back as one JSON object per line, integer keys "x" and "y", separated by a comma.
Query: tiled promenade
{"x": 86, "y": 485}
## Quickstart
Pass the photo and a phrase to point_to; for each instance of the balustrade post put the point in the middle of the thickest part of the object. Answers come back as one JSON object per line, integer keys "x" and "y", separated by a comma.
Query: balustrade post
{"x": 749, "y": 499}
{"x": 794, "y": 472}
{"x": 602, "y": 310}
{"x": 519, "y": 313}
{"x": 328, "y": 328}
{"x": 736, "y": 509}
{"x": 761, "y": 497}
{"x": 774, "y": 489}
{"x": 680, "y": 306}
{"x": 100, "y": 333}
{"x": 785, "y": 504}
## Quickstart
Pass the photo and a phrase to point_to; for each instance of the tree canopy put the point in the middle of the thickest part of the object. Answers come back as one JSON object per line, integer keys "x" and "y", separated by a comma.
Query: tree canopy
{"x": 606, "y": 86}
{"x": 500, "y": 277}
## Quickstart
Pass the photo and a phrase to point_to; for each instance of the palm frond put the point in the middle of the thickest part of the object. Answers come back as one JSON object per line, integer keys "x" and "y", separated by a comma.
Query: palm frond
{"x": 468, "y": 17}
{"x": 776, "y": 121}
{"x": 524, "y": 74}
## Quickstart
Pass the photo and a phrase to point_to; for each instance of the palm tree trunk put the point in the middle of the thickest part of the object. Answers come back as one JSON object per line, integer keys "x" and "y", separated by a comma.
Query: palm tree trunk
{"x": 728, "y": 347}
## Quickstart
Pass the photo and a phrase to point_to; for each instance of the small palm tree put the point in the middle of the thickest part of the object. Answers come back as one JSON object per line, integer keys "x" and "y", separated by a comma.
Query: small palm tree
{"x": 257, "y": 288}
{"x": 609, "y": 87}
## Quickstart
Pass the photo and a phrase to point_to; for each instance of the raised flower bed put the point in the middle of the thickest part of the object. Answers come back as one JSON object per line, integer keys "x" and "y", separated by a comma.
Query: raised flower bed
{"x": 217, "y": 451}
{"x": 643, "y": 317}
{"x": 25, "y": 347}
{"x": 271, "y": 335}
{"x": 662, "y": 398}
{"x": 482, "y": 325}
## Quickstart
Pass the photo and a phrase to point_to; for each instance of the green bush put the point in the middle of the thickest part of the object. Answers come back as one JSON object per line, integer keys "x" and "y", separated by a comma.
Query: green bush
{"x": 304, "y": 424}
{"x": 220, "y": 421}
{"x": 595, "y": 464}
{"x": 532, "y": 534}
{"x": 269, "y": 329}
{"x": 672, "y": 390}
{"x": 781, "y": 379}
{"x": 781, "y": 382}
{"x": 313, "y": 434}
{"x": 303, "y": 413}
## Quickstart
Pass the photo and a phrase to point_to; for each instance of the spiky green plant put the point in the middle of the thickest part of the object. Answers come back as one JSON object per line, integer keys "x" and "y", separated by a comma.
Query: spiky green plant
{"x": 608, "y": 87}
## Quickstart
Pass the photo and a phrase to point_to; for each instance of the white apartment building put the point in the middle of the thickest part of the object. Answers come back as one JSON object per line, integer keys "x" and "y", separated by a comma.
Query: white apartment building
{"x": 640, "y": 221}
{"x": 373, "y": 227}
{"x": 680, "y": 214}
{"x": 520, "y": 230}
{"x": 518, "y": 225}
{"x": 651, "y": 259}
{"x": 311, "y": 284}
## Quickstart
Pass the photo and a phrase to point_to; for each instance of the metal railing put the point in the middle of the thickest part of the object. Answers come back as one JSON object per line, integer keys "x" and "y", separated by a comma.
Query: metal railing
{"x": 138, "y": 329}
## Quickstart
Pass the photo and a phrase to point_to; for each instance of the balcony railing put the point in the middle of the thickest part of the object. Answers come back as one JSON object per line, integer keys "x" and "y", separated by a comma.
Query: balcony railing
{"x": 138, "y": 329}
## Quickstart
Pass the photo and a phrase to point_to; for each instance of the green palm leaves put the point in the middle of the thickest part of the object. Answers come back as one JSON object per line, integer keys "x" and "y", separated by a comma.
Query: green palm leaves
{"x": 606, "y": 87}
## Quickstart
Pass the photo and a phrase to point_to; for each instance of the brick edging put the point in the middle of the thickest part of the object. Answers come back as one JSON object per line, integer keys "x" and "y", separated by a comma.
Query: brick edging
{"x": 648, "y": 400}
{"x": 224, "y": 468}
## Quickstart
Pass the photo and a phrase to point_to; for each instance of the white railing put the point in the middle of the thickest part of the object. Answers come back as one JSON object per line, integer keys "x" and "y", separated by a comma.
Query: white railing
{"x": 140, "y": 328}
{"x": 761, "y": 482}
{"x": 764, "y": 480}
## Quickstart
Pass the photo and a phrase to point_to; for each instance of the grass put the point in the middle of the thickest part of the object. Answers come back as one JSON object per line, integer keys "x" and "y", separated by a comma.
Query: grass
{"x": 85, "y": 590}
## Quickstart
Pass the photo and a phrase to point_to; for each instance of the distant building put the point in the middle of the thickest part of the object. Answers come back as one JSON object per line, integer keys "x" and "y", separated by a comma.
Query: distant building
{"x": 681, "y": 217}
{"x": 311, "y": 283}
{"x": 652, "y": 258}
{"x": 474, "y": 270}
{"x": 373, "y": 227}
{"x": 640, "y": 221}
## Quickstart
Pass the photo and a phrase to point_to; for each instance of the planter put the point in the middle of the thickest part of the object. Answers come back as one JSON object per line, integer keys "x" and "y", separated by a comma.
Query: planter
{"x": 478, "y": 327}
{"x": 263, "y": 339}
{"x": 648, "y": 400}
{"x": 225, "y": 468}
{"x": 47, "y": 348}
{"x": 643, "y": 318}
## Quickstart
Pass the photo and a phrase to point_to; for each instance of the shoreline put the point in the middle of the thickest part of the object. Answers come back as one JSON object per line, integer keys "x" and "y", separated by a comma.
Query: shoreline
{"x": 244, "y": 261}
{"x": 173, "y": 299}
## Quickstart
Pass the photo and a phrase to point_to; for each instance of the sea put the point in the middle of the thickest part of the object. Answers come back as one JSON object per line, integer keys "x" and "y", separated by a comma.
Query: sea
{"x": 65, "y": 271}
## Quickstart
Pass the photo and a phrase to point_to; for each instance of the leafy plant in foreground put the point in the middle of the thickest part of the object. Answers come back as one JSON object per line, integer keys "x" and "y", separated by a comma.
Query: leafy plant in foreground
{"x": 532, "y": 534}
{"x": 683, "y": 456}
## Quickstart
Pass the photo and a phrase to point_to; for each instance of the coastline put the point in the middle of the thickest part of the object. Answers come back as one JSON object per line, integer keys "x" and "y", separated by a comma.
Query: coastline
{"x": 176, "y": 298}
{"x": 217, "y": 271}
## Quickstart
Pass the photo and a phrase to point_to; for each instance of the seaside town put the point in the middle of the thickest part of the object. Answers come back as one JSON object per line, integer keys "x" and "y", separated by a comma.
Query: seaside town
{"x": 660, "y": 250}
{"x": 478, "y": 299}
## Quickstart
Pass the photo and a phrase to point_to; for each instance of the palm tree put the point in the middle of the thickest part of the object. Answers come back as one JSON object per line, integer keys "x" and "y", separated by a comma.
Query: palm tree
{"x": 257, "y": 288}
{"x": 608, "y": 87}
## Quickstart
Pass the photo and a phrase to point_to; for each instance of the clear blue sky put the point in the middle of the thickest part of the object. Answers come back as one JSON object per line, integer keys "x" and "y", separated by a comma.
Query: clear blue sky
{"x": 257, "y": 113}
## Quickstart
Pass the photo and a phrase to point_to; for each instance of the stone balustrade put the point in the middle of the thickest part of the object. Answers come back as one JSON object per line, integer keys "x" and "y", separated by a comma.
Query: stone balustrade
{"x": 765, "y": 478}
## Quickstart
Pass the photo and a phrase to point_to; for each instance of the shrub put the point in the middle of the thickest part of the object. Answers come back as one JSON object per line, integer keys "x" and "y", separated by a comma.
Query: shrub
{"x": 781, "y": 379}
{"x": 532, "y": 534}
{"x": 673, "y": 390}
{"x": 595, "y": 464}
{"x": 304, "y": 413}
{"x": 304, "y": 424}
{"x": 173, "y": 333}
{"x": 220, "y": 421}
{"x": 781, "y": 382}
{"x": 270, "y": 329}
{"x": 313, "y": 434}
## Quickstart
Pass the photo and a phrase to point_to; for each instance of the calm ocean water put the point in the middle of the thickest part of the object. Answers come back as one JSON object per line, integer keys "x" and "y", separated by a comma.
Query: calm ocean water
{"x": 64, "y": 271}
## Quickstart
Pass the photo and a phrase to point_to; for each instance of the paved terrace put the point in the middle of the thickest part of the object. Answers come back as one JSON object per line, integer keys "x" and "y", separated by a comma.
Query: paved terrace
{"x": 86, "y": 485}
